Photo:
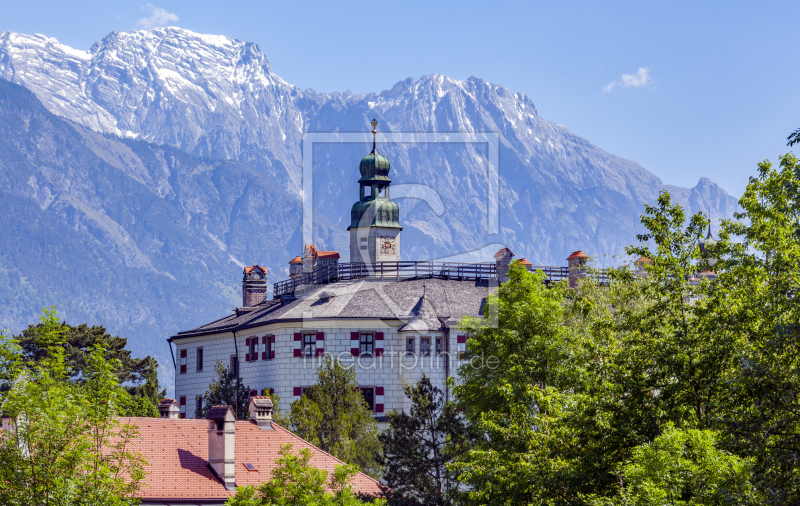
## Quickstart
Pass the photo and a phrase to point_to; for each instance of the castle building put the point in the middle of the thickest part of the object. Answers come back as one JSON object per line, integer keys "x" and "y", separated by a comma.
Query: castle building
{"x": 392, "y": 320}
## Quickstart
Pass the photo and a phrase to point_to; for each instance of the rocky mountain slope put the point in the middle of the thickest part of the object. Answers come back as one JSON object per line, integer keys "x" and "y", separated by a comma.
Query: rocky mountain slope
{"x": 144, "y": 239}
{"x": 214, "y": 96}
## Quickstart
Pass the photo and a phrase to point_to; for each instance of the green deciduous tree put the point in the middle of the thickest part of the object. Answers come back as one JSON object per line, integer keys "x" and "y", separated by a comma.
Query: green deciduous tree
{"x": 226, "y": 389}
{"x": 332, "y": 415}
{"x": 511, "y": 390}
{"x": 418, "y": 445}
{"x": 65, "y": 445}
{"x": 759, "y": 288}
{"x": 684, "y": 468}
{"x": 295, "y": 482}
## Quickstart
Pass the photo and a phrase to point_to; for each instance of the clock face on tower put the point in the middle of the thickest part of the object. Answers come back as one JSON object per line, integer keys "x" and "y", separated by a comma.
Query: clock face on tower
{"x": 388, "y": 245}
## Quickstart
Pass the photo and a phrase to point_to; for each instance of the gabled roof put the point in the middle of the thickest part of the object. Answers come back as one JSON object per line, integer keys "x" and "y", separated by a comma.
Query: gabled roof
{"x": 524, "y": 261}
{"x": 424, "y": 319}
{"x": 176, "y": 451}
{"x": 250, "y": 269}
{"x": 330, "y": 255}
{"x": 296, "y": 260}
{"x": 577, "y": 254}
{"x": 503, "y": 252}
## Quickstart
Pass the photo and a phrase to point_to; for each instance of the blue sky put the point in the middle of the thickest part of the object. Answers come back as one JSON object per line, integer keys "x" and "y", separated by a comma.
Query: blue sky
{"x": 711, "y": 87}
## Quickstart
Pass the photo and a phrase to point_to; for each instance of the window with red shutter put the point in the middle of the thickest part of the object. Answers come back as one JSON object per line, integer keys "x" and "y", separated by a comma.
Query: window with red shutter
{"x": 354, "y": 344}
{"x": 183, "y": 362}
{"x": 271, "y": 347}
{"x": 298, "y": 391}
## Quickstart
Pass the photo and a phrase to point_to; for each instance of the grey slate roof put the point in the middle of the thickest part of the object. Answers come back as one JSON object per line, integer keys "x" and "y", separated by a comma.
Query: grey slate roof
{"x": 387, "y": 300}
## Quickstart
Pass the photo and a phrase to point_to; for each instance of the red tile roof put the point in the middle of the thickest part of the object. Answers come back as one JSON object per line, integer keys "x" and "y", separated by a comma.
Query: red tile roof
{"x": 577, "y": 254}
{"x": 524, "y": 261}
{"x": 248, "y": 270}
{"x": 177, "y": 453}
{"x": 328, "y": 254}
{"x": 643, "y": 259}
{"x": 296, "y": 260}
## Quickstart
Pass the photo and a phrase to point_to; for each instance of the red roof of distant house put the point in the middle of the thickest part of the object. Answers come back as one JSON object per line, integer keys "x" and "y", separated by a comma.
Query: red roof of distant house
{"x": 577, "y": 254}
{"x": 524, "y": 261}
{"x": 502, "y": 251}
{"x": 296, "y": 260}
{"x": 328, "y": 254}
{"x": 248, "y": 270}
{"x": 177, "y": 453}
{"x": 643, "y": 259}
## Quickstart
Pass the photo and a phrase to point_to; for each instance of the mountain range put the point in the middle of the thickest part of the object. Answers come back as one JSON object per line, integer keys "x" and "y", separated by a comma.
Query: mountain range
{"x": 142, "y": 173}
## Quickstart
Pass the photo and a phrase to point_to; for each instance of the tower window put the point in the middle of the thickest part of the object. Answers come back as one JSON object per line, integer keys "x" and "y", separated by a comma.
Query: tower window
{"x": 199, "y": 359}
{"x": 367, "y": 191}
{"x": 364, "y": 243}
{"x": 438, "y": 346}
{"x": 410, "y": 346}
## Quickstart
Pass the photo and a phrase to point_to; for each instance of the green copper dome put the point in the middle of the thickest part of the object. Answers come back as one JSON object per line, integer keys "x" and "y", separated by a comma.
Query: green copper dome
{"x": 375, "y": 213}
{"x": 374, "y": 168}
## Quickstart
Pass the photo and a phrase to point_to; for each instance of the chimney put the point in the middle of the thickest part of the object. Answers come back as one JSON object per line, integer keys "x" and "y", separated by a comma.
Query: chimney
{"x": 169, "y": 408}
{"x": 503, "y": 259}
{"x": 254, "y": 285}
{"x": 261, "y": 411}
{"x": 576, "y": 266}
{"x": 222, "y": 444}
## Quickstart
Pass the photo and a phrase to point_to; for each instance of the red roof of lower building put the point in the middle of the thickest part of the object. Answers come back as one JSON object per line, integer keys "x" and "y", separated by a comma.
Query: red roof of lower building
{"x": 330, "y": 255}
{"x": 524, "y": 261}
{"x": 296, "y": 260}
{"x": 177, "y": 455}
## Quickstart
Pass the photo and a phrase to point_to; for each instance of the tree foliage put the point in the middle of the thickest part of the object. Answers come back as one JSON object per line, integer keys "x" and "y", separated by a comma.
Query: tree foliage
{"x": 418, "y": 445}
{"x": 295, "y": 482}
{"x": 333, "y": 416}
{"x": 66, "y": 444}
{"x": 226, "y": 389}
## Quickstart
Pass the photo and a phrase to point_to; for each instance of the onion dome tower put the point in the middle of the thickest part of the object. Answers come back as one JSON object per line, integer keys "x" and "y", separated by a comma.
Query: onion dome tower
{"x": 374, "y": 219}
{"x": 707, "y": 247}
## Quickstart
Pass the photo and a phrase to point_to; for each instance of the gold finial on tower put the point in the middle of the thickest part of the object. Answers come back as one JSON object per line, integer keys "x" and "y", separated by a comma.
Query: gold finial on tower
{"x": 374, "y": 131}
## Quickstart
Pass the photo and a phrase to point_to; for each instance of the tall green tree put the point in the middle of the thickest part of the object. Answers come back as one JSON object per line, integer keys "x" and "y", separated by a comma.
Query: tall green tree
{"x": 225, "y": 389}
{"x": 758, "y": 290}
{"x": 511, "y": 389}
{"x": 66, "y": 445}
{"x": 419, "y": 444}
{"x": 333, "y": 416}
{"x": 294, "y": 482}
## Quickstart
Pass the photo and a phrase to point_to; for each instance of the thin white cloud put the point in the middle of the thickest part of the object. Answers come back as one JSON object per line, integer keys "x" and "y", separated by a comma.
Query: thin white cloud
{"x": 158, "y": 17}
{"x": 638, "y": 80}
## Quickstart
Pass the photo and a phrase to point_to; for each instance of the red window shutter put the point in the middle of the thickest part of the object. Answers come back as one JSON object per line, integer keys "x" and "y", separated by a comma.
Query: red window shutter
{"x": 298, "y": 391}
{"x": 378, "y": 390}
{"x": 379, "y": 336}
{"x": 378, "y": 352}
{"x": 263, "y": 355}
{"x": 272, "y": 346}
{"x": 320, "y": 352}
{"x": 264, "y": 340}
{"x": 271, "y": 391}
{"x": 183, "y": 415}
{"x": 298, "y": 353}
{"x": 247, "y": 358}
{"x": 354, "y": 352}
{"x": 182, "y": 401}
{"x": 262, "y": 392}
{"x": 354, "y": 336}
{"x": 183, "y": 353}
{"x": 298, "y": 336}
{"x": 272, "y": 354}
{"x": 183, "y": 369}
{"x": 461, "y": 339}
{"x": 247, "y": 341}
{"x": 253, "y": 393}
{"x": 379, "y": 408}
{"x": 320, "y": 336}
{"x": 272, "y": 339}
